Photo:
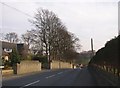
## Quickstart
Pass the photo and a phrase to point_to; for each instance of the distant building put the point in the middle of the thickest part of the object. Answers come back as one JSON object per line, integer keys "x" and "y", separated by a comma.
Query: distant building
{"x": 8, "y": 47}
{"x": 23, "y": 50}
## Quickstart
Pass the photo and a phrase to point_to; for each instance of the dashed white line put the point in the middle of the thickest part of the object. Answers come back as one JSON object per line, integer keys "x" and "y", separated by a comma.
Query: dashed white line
{"x": 49, "y": 76}
{"x": 69, "y": 70}
{"x": 39, "y": 80}
{"x": 30, "y": 83}
{"x": 59, "y": 73}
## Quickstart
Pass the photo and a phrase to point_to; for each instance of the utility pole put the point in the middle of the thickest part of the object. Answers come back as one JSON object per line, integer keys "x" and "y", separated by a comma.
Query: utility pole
{"x": 92, "y": 46}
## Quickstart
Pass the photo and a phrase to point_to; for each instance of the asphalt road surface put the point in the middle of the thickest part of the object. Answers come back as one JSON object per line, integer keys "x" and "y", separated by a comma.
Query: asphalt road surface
{"x": 61, "y": 77}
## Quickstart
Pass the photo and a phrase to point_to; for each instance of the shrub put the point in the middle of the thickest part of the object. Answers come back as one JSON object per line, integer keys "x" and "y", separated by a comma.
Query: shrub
{"x": 15, "y": 58}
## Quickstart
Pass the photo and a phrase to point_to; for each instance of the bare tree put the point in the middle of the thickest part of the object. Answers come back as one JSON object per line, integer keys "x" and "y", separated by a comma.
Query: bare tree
{"x": 46, "y": 22}
{"x": 11, "y": 37}
{"x": 28, "y": 37}
{"x": 31, "y": 38}
{"x": 56, "y": 41}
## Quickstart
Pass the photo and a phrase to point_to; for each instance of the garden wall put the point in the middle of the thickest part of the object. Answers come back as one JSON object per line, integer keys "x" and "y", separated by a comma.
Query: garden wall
{"x": 60, "y": 64}
{"x": 28, "y": 66}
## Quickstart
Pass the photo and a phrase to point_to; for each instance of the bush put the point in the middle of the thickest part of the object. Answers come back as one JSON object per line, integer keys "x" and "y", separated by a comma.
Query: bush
{"x": 7, "y": 64}
{"x": 42, "y": 59}
{"x": 15, "y": 58}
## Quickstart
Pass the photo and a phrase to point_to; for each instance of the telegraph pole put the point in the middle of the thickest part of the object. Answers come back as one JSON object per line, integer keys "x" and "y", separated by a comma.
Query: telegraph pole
{"x": 92, "y": 46}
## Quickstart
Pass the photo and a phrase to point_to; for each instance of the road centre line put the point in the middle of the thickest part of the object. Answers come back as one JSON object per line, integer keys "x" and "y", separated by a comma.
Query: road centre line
{"x": 31, "y": 83}
{"x": 39, "y": 80}
{"x": 65, "y": 71}
{"x": 54, "y": 75}
{"x": 50, "y": 76}
{"x": 60, "y": 73}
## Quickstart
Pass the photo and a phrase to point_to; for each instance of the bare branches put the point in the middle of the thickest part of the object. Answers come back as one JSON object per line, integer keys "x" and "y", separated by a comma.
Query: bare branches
{"x": 55, "y": 40}
{"x": 11, "y": 37}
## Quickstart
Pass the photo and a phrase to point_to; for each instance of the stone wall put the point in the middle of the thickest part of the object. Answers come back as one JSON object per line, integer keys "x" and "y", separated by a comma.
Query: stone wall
{"x": 7, "y": 72}
{"x": 28, "y": 66}
{"x": 60, "y": 64}
{"x": 66, "y": 65}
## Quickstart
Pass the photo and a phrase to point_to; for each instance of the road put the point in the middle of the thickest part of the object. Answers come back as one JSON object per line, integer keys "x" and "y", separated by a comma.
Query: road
{"x": 61, "y": 77}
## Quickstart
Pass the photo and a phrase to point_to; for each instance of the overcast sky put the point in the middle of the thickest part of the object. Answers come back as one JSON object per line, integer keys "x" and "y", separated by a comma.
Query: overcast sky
{"x": 97, "y": 19}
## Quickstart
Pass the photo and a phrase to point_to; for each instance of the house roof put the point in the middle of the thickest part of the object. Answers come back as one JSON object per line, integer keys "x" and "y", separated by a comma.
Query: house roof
{"x": 8, "y": 45}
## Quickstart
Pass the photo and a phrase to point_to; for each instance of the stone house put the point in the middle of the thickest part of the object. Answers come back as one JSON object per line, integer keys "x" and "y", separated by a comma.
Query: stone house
{"x": 8, "y": 47}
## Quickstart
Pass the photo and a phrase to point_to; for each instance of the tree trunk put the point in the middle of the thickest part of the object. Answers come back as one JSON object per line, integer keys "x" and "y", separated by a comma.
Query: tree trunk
{"x": 118, "y": 72}
{"x": 15, "y": 68}
{"x": 49, "y": 61}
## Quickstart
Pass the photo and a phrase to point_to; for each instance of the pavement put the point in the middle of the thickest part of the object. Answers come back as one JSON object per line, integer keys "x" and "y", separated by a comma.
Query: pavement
{"x": 13, "y": 76}
{"x": 104, "y": 78}
{"x": 60, "y": 77}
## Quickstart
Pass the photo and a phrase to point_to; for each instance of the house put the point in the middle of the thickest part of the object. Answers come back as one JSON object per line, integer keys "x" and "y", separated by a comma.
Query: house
{"x": 8, "y": 47}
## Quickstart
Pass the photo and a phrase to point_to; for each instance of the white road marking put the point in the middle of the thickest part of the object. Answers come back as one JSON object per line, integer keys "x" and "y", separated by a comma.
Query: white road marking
{"x": 59, "y": 73}
{"x": 31, "y": 83}
{"x": 66, "y": 71}
{"x": 39, "y": 80}
{"x": 49, "y": 76}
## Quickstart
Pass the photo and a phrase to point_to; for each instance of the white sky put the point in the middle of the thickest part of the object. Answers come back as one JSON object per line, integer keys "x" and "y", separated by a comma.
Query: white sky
{"x": 97, "y": 19}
